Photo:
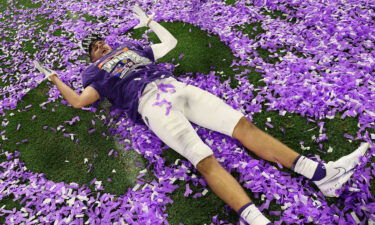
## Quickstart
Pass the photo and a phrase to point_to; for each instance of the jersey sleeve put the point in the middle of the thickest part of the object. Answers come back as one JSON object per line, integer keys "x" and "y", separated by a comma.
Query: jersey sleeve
{"x": 96, "y": 85}
{"x": 149, "y": 53}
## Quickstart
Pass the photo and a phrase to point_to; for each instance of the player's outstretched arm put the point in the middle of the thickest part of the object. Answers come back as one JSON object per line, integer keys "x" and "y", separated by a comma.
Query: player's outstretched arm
{"x": 168, "y": 41}
{"x": 88, "y": 96}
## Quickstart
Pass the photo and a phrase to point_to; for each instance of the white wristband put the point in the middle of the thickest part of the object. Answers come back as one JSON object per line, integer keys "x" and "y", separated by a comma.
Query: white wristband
{"x": 149, "y": 21}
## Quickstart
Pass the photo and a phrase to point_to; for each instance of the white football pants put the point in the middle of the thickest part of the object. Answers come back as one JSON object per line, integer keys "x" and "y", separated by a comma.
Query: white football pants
{"x": 167, "y": 106}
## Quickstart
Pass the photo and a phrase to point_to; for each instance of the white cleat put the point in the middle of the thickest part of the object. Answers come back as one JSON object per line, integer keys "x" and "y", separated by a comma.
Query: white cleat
{"x": 339, "y": 171}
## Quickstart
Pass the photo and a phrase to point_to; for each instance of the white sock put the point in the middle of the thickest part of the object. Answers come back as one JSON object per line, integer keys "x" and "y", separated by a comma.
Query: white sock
{"x": 305, "y": 167}
{"x": 253, "y": 216}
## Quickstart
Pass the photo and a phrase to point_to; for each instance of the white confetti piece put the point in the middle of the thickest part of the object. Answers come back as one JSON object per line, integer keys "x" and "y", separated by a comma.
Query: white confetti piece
{"x": 82, "y": 198}
{"x": 282, "y": 113}
{"x": 145, "y": 186}
{"x": 277, "y": 196}
{"x": 173, "y": 179}
{"x": 47, "y": 201}
{"x": 355, "y": 217}
{"x": 71, "y": 201}
{"x": 98, "y": 184}
{"x": 136, "y": 187}
{"x": 264, "y": 174}
{"x": 352, "y": 189}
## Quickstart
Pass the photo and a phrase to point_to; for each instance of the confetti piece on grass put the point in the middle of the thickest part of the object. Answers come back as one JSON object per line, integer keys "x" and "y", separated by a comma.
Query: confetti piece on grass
{"x": 92, "y": 130}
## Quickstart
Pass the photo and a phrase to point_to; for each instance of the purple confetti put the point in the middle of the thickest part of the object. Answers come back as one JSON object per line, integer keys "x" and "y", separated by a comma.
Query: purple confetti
{"x": 92, "y": 130}
{"x": 324, "y": 65}
{"x": 269, "y": 125}
{"x": 188, "y": 191}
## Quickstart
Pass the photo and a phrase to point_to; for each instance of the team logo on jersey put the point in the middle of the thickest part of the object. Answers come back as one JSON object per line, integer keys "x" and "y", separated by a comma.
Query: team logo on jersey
{"x": 123, "y": 63}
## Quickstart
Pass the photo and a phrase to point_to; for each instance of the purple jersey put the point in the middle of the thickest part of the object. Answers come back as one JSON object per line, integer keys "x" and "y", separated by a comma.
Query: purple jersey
{"x": 121, "y": 76}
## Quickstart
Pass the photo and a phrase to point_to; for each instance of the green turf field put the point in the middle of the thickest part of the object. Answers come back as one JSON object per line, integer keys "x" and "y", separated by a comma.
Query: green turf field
{"x": 63, "y": 159}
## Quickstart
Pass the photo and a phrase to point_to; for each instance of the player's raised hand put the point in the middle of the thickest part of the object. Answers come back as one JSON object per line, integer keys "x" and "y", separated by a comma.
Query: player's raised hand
{"x": 47, "y": 72}
{"x": 141, "y": 16}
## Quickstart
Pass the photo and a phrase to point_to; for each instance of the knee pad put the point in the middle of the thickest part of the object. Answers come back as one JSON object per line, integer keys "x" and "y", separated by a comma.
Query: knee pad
{"x": 199, "y": 151}
{"x": 188, "y": 143}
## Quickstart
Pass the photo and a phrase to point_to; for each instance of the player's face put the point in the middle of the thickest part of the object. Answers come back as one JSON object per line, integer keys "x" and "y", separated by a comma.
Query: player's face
{"x": 99, "y": 49}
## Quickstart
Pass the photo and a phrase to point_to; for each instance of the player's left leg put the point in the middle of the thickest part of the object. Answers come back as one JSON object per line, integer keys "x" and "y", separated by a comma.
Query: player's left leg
{"x": 211, "y": 112}
{"x": 207, "y": 110}
{"x": 262, "y": 144}
{"x": 328, "y": 177}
